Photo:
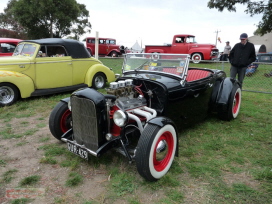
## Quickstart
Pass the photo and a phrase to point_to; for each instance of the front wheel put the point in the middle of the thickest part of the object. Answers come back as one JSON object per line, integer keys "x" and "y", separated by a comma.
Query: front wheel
{"x": 232, "y": 109}
{"x": 9, "y": 94}
{"x": 155, "y": 151}
{"x": 196, "y": 57}
{"x": 99, "y": 81}
{"x": 60, "y": 120}
{"x": 114, "y": 54}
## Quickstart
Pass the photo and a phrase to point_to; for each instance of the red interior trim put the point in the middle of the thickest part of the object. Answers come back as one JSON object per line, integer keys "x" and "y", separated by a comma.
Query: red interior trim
{"x": 195, "y": 74}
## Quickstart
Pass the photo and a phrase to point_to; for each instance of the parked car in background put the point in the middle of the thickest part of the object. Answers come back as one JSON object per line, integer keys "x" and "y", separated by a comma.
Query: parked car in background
{"x": 106, "y": 47}
{"x": 49, "y": 66}
{"x": 265, "y": 57}
{"x": 142, "y": 111}
{"x": 186, "y": 44}
{"x": 7, "y": 46}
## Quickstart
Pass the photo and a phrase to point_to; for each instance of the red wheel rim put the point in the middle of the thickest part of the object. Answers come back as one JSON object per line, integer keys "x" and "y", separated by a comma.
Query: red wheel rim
{"x": 236, "y": 102}
{"x": 160, "y": 165}
{"x": 65, "y": 120}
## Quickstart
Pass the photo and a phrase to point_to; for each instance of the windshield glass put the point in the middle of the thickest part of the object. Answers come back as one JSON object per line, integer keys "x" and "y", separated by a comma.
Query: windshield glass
{"x": 176, "y": 64}
{"x": 25, "y": 49}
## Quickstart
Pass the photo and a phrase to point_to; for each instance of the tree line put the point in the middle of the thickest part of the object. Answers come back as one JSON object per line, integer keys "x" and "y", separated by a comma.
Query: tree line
{"x": 34, "y": 19}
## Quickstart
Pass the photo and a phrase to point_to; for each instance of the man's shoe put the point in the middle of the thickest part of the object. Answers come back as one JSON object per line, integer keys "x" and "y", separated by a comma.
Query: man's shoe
{"x": 249, "y": 74}
{"x": 267, "y": 75}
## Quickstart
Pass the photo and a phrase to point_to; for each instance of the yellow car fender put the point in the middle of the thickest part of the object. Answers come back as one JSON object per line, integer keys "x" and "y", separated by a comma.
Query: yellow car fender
{"x": 98, "y": 68}
{"x": 21, "y": 81}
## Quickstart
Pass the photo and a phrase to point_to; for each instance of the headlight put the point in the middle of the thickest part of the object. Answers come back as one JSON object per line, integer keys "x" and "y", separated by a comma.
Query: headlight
{"x": 120, "y": 118}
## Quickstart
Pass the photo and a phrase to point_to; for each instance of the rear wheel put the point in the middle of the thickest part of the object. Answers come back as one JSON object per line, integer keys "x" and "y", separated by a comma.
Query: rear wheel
{"x": 60, "y": 120}
{"x": 233, "y": 106}
{"x": 99, "y": 81}
{"x": 196, "y": 57}
{"x": 9, "y": 94}
{"x": 155, "y": 151}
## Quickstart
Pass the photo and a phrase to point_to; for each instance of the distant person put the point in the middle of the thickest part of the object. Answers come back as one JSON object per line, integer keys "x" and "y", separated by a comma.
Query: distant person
{"x": 226, "y": 51}
{"x": 251, "y": 69}
{"x": 242, "y": 55}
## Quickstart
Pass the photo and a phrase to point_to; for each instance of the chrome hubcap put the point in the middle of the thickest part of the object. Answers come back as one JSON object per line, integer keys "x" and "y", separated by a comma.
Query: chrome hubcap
{"x": 99, "y": 81}
{"x": 6, "y": 94}
{"x": 161, "y": 150}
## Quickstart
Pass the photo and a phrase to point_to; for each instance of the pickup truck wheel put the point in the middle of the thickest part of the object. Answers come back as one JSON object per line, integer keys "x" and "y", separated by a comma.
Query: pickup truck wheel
{"x": 99, "y": 81}
{"x": 9, "y": 94}
{"x": 233, "y": 107}
{"x": 155, "y": 151}
{"x": 60, "y": 120}
{"x": 114, "y": 54}
{"x": 196, "y": 57}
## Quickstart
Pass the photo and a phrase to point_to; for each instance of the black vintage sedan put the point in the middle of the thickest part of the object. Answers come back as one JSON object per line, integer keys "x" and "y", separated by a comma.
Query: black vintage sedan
{"x": 143, "y": 110}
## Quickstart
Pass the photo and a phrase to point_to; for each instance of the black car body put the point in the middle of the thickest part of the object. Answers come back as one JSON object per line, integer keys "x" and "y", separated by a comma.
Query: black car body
{"x": 142, "y": 112}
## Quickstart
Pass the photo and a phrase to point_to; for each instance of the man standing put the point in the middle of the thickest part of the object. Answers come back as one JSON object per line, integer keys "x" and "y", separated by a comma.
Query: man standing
{"x": 226, "y": 51}
{"x": 242, "y": 55}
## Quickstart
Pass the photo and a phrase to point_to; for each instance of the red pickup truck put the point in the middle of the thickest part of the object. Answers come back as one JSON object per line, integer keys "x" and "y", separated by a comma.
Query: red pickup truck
{"x": 106, "y": 47}
{"x": 186, "y": 44}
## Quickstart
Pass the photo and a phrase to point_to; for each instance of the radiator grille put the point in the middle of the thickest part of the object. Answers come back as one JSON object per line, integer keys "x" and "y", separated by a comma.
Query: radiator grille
{"x": 84, "y": 122}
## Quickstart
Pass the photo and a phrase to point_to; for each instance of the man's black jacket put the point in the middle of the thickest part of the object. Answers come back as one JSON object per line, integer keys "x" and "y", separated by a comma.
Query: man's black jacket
{"x": 242, "y": 55}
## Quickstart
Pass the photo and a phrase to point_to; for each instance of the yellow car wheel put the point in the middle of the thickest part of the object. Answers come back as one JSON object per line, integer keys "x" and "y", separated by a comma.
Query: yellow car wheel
{"x": 9, "y": 94}
{"x": 99, "y": 81}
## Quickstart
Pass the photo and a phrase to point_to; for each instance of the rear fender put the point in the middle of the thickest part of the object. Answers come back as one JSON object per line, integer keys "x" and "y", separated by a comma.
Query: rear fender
{"x": 161, "y": 122}
{"x": 21, "y": 81}
{"x": 98, "y": 68}
{"x": 225, "y": 89}
{"x": 155, "y": 50}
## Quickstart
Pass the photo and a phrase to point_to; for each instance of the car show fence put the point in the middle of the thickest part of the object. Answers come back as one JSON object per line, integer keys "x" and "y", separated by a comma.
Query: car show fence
{"x": 260, "y": 81}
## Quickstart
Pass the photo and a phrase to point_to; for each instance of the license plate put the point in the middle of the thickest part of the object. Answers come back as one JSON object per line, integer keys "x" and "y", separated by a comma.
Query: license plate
{"x": 77, "y": 150}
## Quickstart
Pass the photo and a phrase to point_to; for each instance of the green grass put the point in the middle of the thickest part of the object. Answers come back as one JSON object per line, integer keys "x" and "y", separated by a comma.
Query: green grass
{"x": 219, "y": 161}
{"x": 21, "y": 201}
{"x": 74, "y": 179}
{"x": 8, "y": 175}
{"x": 30, "y": 180}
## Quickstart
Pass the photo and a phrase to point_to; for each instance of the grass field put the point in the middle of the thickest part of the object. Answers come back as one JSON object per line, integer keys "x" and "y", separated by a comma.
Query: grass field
{"x": 219, "y": 161}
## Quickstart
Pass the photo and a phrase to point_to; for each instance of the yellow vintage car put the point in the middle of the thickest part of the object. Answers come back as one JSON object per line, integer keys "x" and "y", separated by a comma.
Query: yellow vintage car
{"x": 49, "y": 66}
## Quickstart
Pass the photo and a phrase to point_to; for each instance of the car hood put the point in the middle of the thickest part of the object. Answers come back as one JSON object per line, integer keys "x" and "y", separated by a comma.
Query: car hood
{"x": 168, "y": 81}
{"x": 14, "y": 63}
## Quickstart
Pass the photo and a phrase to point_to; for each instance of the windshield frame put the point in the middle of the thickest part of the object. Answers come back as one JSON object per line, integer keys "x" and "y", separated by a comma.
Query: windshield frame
{"x": 157, "y": 63}
{"x": 26, "y": 49}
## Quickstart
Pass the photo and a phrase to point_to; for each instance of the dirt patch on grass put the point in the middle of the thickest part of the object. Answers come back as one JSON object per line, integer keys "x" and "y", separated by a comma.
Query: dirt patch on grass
{"x": 241, "y": 178}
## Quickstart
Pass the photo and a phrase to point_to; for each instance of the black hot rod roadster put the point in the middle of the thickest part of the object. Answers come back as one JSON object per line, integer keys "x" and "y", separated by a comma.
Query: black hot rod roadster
{"x": 141, "y": 113}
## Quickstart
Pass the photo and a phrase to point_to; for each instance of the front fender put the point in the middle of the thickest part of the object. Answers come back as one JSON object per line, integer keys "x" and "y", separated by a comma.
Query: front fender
{"x": 225, "y": 90}
{"x": 114, "y": 50}
{"x": 161, "y": 122}
{"x": 21, "y": 81}
{"x": 98, "y": 68}
{"x": 65, "y": 100}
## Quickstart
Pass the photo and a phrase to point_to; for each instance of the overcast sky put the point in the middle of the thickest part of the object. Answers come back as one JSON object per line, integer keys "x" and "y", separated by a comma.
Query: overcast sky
{"x": 156, "y": 21}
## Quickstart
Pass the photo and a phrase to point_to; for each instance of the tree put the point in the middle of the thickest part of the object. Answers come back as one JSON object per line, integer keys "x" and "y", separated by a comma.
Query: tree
{"x": 10, "y": 27}
{"x": 253, "y": 8}
{"x": 47, "y": 18}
